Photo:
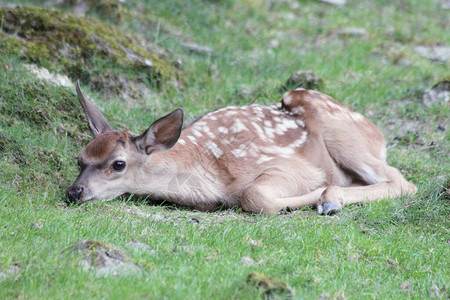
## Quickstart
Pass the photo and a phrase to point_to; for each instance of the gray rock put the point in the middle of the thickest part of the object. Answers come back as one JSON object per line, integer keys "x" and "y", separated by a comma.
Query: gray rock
{"x": 438, "y": 94}
{"x": 335, "y": 2}
{"x": 36, "y": 226}
{"x": 434, "y": 53}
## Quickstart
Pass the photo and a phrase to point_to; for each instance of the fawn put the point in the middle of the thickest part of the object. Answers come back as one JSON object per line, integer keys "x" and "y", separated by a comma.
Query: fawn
{"x": 306, "y": 150}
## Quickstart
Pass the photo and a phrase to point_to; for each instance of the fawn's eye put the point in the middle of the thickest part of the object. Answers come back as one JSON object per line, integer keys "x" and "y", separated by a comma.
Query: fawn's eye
{"x": 119, "y": 165}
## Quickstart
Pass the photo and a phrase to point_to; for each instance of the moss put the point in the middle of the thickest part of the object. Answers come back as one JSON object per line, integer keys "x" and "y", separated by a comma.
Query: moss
{"x": 36, "y": 120}
{"x": 39, "y": 105}
{"x": 10, "y": 147}
{"x": 82, "y": 47}
{"x": 443, "y": 83}
{"x": 270, "y": 286}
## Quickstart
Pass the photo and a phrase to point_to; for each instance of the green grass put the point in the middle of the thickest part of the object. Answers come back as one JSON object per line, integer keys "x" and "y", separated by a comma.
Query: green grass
{"x": 398, "y": 248}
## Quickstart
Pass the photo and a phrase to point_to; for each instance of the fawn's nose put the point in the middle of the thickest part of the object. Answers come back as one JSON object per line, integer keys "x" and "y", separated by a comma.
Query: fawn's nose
{"x": 74, "y": 193}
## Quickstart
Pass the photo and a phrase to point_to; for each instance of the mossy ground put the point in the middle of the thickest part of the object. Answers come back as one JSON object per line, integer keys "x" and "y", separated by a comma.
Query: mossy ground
{"x": 82, "y": 47}
{"x": 398, "y": 248}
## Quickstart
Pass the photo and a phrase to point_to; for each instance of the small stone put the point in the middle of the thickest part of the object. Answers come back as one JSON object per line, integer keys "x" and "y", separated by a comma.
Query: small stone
{"x": 334, "y": 2}
{"x": 6, "y": 67}
{"x": 392, "y": 263}
{"x": 438, "y": 94}
{"x": 405, "y": 285}
{"x": 434, "y": 53}
{"x": 324, "y": 296}
{"x": 36, "y": 226}
{"x": 274, "y": 43}
{"x": 351, "y": 31}
{"x": 148, "y": 62}
{"x": 247, "y": 260}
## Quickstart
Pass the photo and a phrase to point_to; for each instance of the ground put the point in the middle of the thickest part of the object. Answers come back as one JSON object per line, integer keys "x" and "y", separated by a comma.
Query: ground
{"x": 379, "y": 57}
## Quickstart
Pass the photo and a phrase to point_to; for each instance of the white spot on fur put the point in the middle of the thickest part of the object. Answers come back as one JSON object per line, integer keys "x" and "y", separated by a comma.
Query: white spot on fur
{"x": 268, "y": 123}
{"x": 357, "y": 117}
{"x": 275, "y": 112}
{"x": 263, "y": 158}
{"x": 201, "y": 123}
{"x": 238, "y": 126}
{"x": 298, "y": 110}
{"x": 182, "y": 142}
{"x": 197, "y": 133}
{"x": 214, "y": 149}
{"x": 282, "y": 151}
{"x": 239, "y": 153}
{"x": 222, "y": 130}
{"x": 300, "y": 123}
{"x": 208, "y": 132}
{"x": 287, "y": 98}
{"x": 270, "y": 132}
{"x": 192, "y": 139}
{"x": 300, "y": 141}
{"x": 299, "y": 89}
{"x": 260, "y": 132}
{"x": 284, "y": 125}
{"x": 252, "y": 149}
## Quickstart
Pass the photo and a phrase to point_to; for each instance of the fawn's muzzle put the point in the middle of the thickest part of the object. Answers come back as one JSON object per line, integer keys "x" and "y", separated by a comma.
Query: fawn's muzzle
{"x": 74, "y": 193}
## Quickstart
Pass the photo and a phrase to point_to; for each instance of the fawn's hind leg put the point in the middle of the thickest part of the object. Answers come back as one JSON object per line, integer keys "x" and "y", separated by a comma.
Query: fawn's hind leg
{"x": 271, "y": 192}
{"x": 384, "y": 182}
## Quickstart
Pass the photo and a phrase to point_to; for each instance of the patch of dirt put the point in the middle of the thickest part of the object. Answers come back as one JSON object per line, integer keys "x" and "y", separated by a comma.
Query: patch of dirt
{"x": 13, "y": 270}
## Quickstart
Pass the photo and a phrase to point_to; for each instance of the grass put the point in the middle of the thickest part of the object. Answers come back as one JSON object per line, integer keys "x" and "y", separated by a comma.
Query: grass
{"x": 389, "y": 249}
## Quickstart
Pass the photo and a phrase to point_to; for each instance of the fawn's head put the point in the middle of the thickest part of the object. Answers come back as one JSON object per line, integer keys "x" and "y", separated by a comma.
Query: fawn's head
{"x": 110, "y": 163}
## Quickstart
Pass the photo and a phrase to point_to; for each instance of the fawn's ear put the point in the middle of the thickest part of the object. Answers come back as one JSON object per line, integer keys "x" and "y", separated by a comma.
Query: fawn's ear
{"x": 97, "y": 122}
{"x": 162, "y": 134}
